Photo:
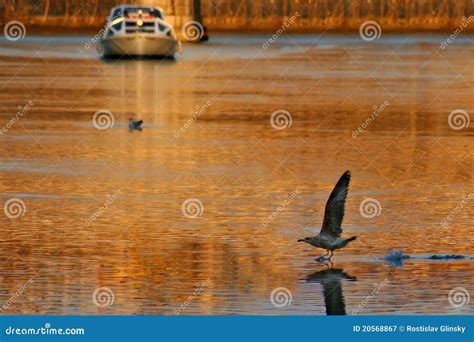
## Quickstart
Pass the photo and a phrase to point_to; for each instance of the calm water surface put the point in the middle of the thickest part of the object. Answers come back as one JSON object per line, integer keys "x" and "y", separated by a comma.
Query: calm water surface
{"x": 104, "y": 207}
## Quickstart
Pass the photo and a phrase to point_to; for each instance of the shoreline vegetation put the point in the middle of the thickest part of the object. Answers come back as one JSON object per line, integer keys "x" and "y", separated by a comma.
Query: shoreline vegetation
{"x": 88, "y": 25}
{"x": 397, "y": 16}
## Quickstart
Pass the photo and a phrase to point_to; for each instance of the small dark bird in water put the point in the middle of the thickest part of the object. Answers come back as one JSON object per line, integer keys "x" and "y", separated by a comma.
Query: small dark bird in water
{"x": 329, "y": 238}
{"x": 134, "y": 124}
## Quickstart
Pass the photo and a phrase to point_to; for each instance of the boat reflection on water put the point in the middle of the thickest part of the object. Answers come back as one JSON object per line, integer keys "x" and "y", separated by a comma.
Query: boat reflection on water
{"x": 331, "y": 279}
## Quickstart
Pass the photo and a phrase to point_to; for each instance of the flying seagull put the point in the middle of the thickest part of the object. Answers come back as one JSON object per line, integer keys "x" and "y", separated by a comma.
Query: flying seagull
{"x": 329, "y": 238}
{"x": 134, "y": 124}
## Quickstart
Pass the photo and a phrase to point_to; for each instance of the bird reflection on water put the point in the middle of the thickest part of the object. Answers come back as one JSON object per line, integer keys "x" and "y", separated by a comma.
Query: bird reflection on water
{"x": 331, "y": 279}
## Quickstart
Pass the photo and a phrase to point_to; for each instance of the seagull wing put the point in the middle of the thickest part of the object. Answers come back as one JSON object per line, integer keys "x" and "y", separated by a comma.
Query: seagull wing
{"x": 334, "y": 212}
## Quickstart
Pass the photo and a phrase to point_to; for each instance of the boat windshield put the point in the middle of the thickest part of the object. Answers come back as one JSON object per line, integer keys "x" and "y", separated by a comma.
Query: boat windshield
{"x": 133, "y": 12}
{"x": 117, "y": 13}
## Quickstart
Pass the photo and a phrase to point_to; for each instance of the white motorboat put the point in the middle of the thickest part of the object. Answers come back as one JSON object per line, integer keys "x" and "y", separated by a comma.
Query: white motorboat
{"x": 134, "y": 30}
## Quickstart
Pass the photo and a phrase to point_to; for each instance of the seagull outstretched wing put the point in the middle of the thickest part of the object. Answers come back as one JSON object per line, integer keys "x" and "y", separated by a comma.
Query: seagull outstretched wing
{"x": 334, "y": 212}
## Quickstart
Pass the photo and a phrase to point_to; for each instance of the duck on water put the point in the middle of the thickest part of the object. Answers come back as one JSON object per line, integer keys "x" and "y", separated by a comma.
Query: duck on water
{"x": 135, "y": 124}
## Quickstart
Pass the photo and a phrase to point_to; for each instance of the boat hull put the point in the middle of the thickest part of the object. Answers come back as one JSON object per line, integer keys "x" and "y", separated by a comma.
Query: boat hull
{"x": 138, "y": 45}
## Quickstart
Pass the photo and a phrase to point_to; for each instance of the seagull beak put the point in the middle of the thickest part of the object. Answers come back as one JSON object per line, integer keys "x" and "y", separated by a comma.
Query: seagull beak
{"x": 300, "y": 240}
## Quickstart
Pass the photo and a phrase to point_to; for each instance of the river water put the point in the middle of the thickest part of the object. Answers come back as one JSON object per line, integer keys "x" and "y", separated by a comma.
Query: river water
{"x": 199, "y": 213}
